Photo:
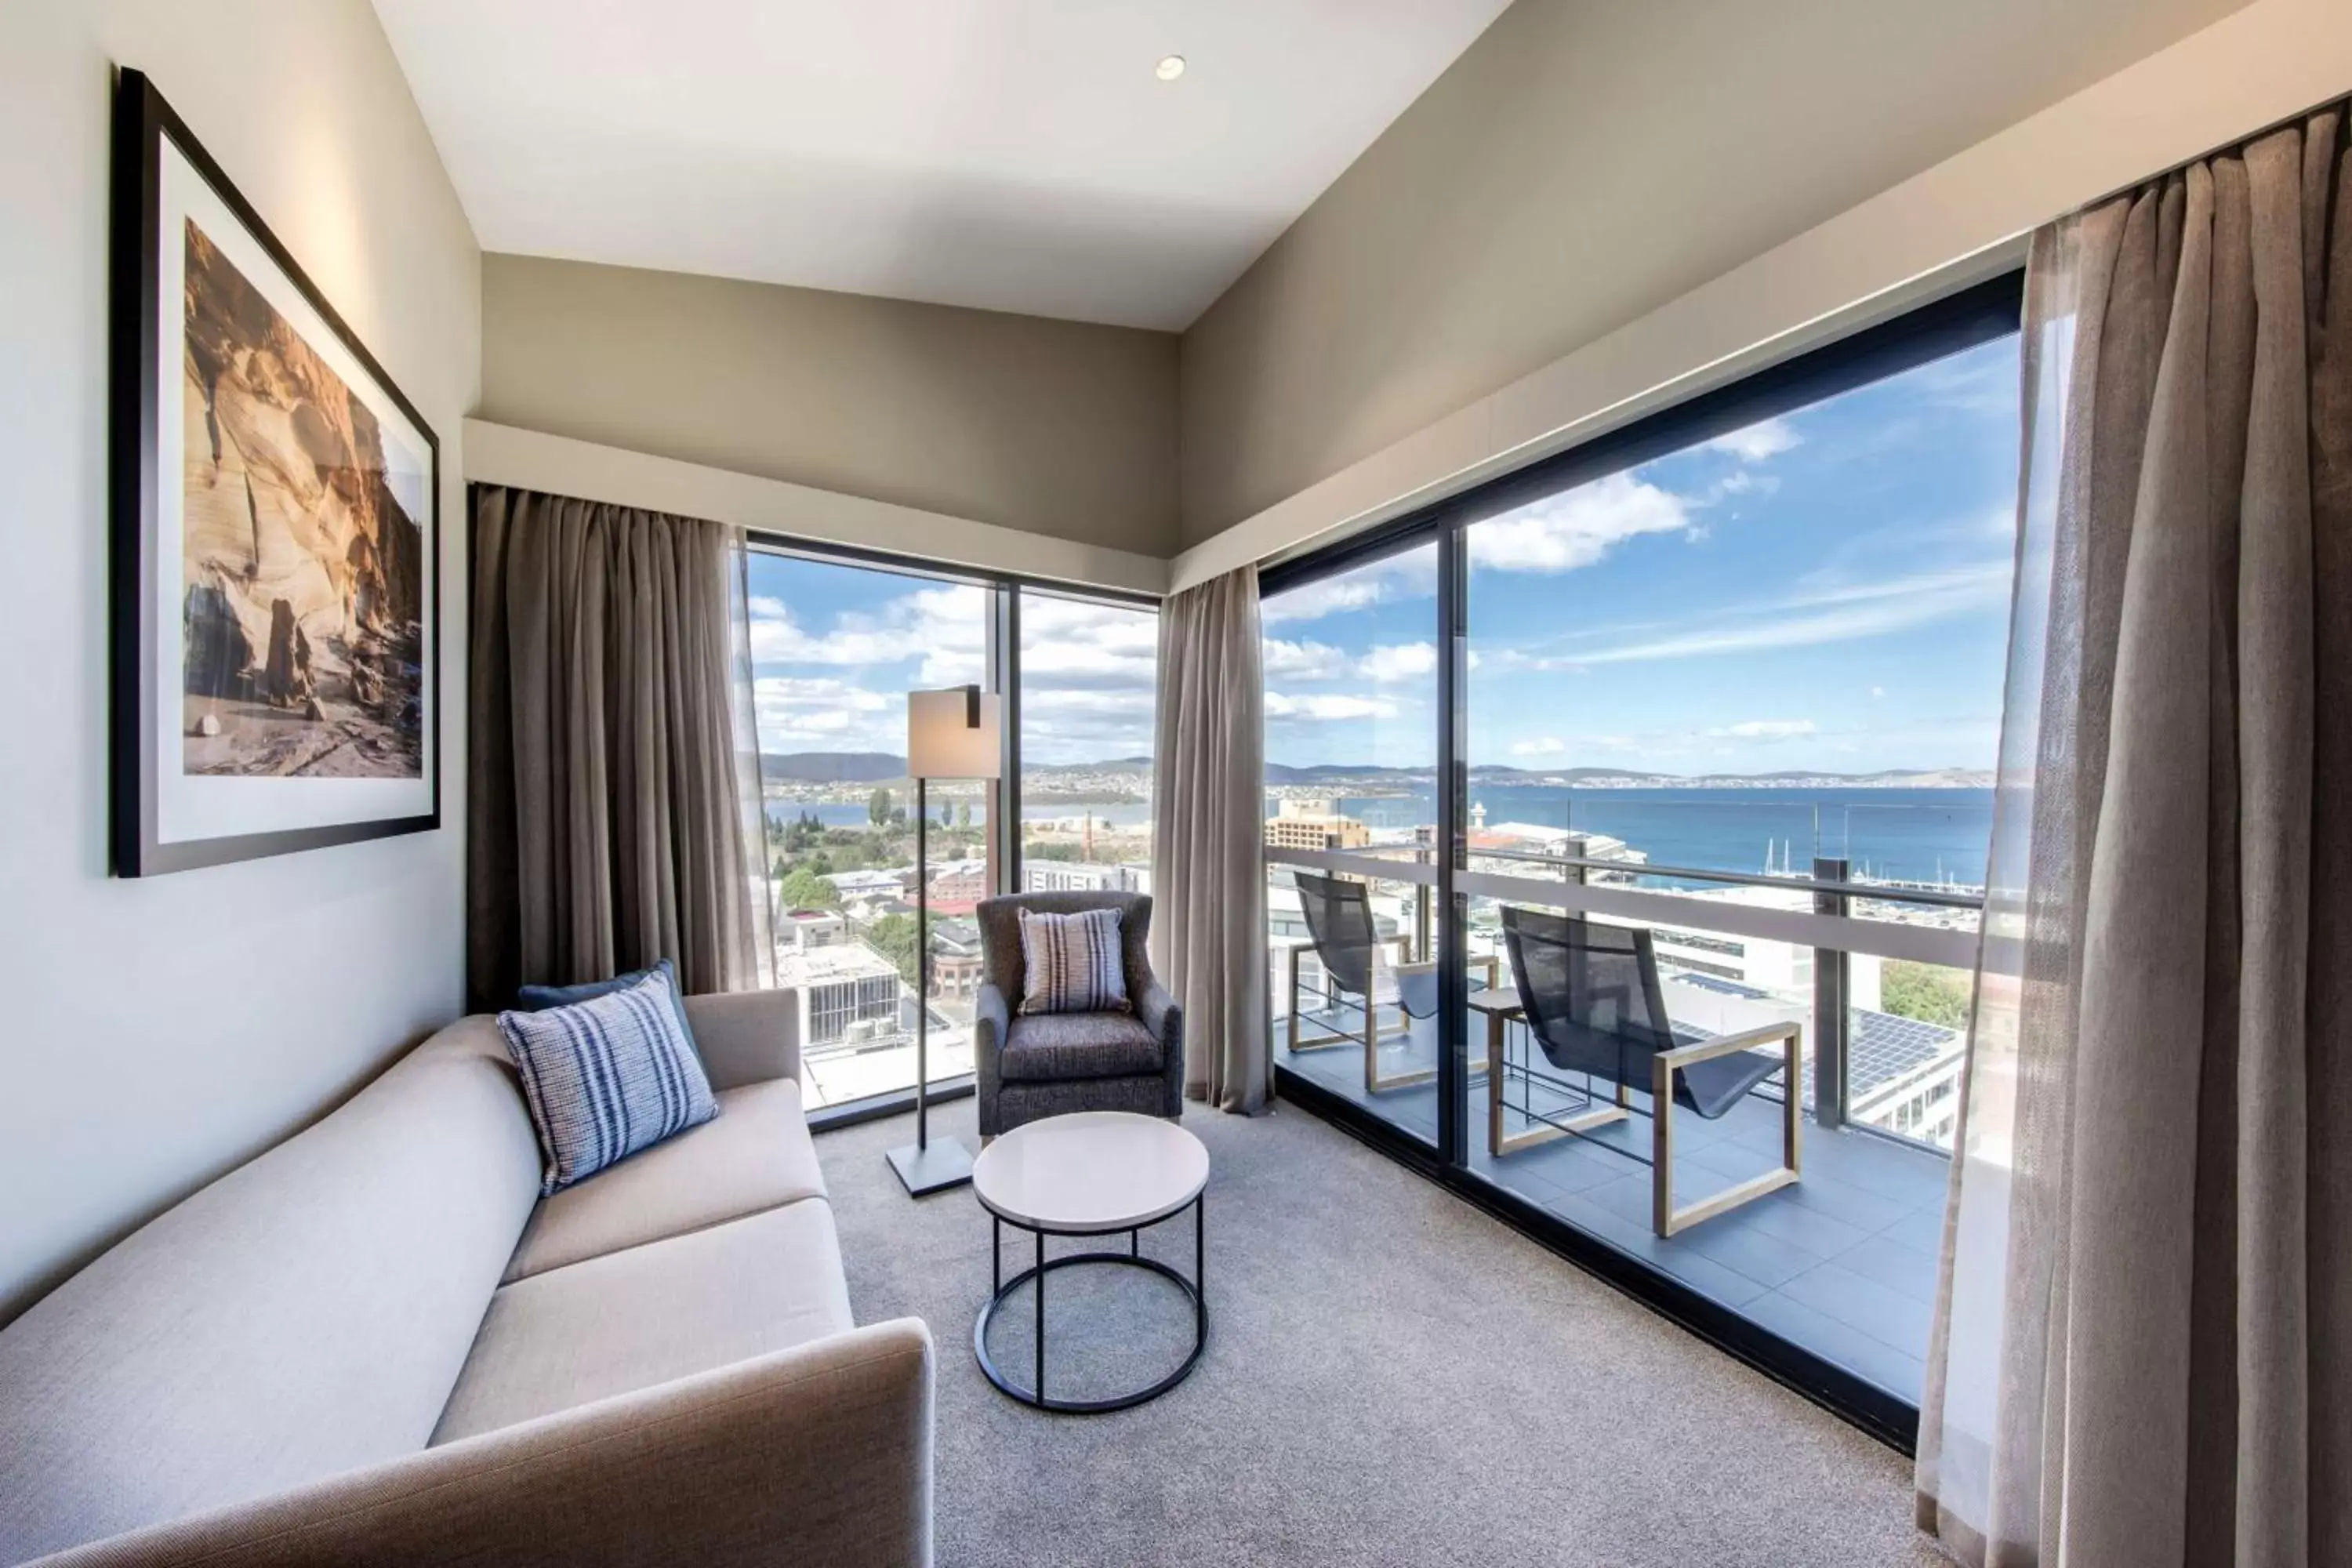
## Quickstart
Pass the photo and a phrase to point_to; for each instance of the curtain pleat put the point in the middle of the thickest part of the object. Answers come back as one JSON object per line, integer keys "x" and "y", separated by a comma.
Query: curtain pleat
{"x": 611, "y": 818}
{"x": 2138, "y": 1347}
{"x": 1208, "y": 928}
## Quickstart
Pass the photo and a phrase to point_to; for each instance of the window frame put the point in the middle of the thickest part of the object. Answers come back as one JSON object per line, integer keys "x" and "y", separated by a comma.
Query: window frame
{"x": 1964, "y": 318}
{"x": 1002, "y": 678}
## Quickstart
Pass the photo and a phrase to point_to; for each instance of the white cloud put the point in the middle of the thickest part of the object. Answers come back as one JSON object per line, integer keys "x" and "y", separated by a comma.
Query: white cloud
{"x": 1578, "y": 527}
{"x": 1541, "y": 746}
{"x": 1305, "y": 660}
{"x": 1878, "y": 692}
{"x": 1316, "y": 600}
{"x": 1088, "y": 669}
{"x": 1841, "y": 614}
{"x": 1765, "y": 729}
{"x": 1325, "y": 707}
{"x": 799, "y": 713}
{"x": 944, "y": 628}
{"x": 1408, "y": 575}
{"x": 1757, "y": 443}
{"x": 1392, "y": 662}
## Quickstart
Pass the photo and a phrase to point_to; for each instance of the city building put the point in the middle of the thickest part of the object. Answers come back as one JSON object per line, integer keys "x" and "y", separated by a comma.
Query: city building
{"x": 855, "y": 886}
{"x": 1313, "y": 823}
{"x": 848, "y": 992}
{"x": 804, "y": 929}
{"x": 1083, "y": 877}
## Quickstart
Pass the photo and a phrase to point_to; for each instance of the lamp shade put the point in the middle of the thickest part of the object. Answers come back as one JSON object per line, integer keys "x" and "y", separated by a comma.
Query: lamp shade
{"x": 954, "y": 734}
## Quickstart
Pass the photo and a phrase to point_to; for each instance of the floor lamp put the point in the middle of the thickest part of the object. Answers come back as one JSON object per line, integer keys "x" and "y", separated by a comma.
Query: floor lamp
{"x": 951, "y": 734}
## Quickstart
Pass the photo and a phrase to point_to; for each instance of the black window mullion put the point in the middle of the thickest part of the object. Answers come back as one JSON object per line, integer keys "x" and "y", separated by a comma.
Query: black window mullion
{"x": 1452, "y": 826}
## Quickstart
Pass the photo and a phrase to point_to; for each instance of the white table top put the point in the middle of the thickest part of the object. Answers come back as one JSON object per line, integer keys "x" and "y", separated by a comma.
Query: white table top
{"x": 1090, "y": 1172}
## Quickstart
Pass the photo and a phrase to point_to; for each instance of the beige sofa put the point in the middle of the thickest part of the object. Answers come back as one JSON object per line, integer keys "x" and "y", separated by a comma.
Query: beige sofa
{"x": 377, "y": 1344}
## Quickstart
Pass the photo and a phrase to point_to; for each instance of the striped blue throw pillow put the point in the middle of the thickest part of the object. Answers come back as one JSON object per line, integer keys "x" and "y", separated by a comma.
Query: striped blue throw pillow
{"x": 1072, "y": 963}
{"x": 606, "y": 1077}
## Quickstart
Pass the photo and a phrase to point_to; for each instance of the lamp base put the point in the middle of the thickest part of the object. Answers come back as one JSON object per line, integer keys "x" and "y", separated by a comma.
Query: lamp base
{"x": 924, "y": 1170}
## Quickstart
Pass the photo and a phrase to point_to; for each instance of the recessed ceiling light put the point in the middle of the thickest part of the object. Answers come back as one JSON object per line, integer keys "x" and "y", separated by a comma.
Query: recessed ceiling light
{"x": 1171, "y": 67}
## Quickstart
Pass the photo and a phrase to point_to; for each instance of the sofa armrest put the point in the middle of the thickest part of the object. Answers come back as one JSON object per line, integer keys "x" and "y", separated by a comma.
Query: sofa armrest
{"x": 818, "y": 1455}
{"x": 747, "y": 1037}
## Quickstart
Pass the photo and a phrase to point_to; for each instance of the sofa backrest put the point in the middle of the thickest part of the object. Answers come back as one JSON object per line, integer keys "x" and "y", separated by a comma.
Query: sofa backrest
{"x": 1000, "y": 934}
{"x": 308, "y": 1313}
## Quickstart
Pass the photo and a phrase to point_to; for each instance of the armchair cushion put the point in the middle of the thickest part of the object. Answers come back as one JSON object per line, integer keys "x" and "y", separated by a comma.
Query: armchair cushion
{"x": 1047, "y": 1048}
{"x": 1072, "y": 962}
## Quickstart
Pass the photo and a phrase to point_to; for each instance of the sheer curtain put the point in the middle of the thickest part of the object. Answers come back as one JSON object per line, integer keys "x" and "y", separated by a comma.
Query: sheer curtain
{"x": 1208, "y": 836}
{"x": 614, "y": 797}
{"x": 2139, "y": 1354}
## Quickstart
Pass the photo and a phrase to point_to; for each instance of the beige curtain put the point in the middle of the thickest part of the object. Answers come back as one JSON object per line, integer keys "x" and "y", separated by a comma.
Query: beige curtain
{"x": 613, "y": 791}
{"x": 1207, "y": 869}
{"x": 2140, "y": 1351}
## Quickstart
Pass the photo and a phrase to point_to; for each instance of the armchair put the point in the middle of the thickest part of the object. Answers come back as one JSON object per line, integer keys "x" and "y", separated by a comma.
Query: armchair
{"x": 1028, "y": 1067}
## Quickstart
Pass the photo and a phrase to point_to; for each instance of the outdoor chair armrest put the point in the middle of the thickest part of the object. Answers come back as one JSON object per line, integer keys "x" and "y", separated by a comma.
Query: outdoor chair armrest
{"x": 1788, "y": 1031}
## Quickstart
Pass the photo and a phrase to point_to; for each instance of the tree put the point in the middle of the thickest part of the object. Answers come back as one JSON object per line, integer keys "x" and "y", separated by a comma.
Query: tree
{"x": 1925, "y": 991}
{"x": 947, "y": 813}
{"x": 963, "y": 813}
{"x": 893, "y": 936}
{"x": 878, "y": 806}
{"x": 804, "y": 889}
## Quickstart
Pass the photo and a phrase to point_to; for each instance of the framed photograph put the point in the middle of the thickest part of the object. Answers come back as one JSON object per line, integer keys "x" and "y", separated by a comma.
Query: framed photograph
{"x": 276, "y": 537}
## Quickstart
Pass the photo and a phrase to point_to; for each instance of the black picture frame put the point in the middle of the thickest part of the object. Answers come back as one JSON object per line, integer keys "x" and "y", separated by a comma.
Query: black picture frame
{"x": 143, "y": 391}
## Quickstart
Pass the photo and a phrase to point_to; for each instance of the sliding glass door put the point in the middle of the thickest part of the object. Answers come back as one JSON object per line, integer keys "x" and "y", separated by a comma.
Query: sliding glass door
{"x": 1711, "y": 763}
{"x": 1351, "y": 834}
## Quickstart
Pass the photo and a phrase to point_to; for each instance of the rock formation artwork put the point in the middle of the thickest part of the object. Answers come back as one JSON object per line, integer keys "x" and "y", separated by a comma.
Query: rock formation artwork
{"x": 303, "y": 590}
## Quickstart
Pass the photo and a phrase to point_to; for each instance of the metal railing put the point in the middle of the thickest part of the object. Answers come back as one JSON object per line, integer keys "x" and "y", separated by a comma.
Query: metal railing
{"x": 1829, "y": 927}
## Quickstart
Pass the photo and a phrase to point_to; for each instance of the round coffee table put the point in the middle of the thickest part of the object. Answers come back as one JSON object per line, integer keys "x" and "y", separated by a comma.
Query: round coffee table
{"x": 1095, "y": 1173}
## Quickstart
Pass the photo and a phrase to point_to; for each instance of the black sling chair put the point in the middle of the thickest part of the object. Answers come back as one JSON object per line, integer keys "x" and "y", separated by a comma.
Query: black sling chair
{"x": 1345, "y": 942}
{"x": 1589, "y": 996}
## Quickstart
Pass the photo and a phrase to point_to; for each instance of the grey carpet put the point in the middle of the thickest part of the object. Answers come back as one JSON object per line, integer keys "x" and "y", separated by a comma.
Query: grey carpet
{"x": 1391, "y": 1378}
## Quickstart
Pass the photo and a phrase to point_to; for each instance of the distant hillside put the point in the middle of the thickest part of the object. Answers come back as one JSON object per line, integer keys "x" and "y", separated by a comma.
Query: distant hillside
{"x": 831, "y": 767}
{"x": 1282, "y": 772}
{"x": 1338, "y": 774}
{"x": 1110, "y": 765}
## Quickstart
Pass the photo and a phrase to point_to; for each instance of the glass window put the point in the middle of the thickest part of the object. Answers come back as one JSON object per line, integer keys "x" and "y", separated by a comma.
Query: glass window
{"x": 835, "y": 648}
{"x": 1088, "y": 671}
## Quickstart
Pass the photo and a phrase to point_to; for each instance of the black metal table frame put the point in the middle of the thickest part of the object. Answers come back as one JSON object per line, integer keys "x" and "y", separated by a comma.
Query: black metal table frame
{"x": 1034, "y": 1396}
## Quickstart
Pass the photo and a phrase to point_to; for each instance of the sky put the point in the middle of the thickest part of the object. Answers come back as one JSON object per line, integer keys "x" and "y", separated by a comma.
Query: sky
{"x": 1825, "y": 591}
{"x": 835, "y": 648}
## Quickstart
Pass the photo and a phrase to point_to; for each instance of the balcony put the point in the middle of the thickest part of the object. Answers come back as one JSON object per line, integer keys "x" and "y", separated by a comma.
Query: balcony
{"x": 1843, "y": 1263}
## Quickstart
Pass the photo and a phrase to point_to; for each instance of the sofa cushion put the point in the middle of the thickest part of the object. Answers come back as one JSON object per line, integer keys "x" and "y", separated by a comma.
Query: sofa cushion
{"x": 636, "y": 1317}
{"x": 306, "y": 1314}
{"x": 608, "y": 1077}
{"x": 1050, "y": 1047}
{"x": 756, "y": 1155}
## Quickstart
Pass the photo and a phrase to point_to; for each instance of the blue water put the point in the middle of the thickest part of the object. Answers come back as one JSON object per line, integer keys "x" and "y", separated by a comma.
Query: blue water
{"x": 852, "y": 813}
{"x": 1905, "y": 835}
{"x": 1908, "y": 834}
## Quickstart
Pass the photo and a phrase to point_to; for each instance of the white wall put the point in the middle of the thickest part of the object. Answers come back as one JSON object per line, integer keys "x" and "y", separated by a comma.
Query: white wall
{"x": 157, "y": 1032}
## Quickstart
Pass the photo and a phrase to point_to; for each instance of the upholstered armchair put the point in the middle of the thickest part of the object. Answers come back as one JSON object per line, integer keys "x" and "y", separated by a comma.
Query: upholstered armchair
{"x": 1030, "y": 1065}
